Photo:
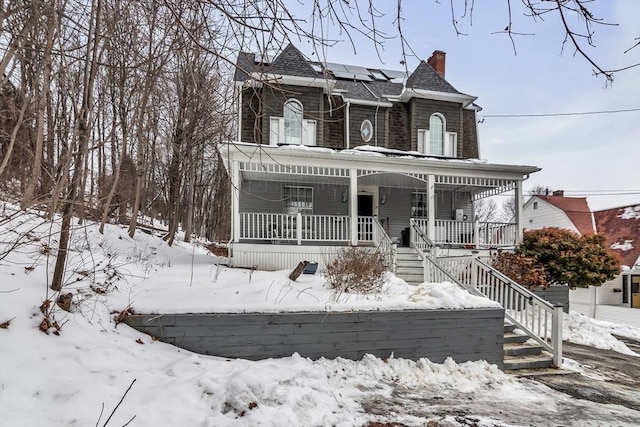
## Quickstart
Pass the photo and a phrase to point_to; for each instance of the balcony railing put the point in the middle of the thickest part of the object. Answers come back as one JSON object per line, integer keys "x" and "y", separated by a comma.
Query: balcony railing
{"x": 469, "y": 233}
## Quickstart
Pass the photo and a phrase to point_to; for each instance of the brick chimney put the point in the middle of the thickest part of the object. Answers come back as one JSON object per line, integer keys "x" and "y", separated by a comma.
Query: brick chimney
{"x": 558, "y": 193}
{"x": 436, "y": 60}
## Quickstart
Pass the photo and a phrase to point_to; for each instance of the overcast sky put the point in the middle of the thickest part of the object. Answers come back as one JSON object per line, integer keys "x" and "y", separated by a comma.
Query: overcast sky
{"x": 584, "y": 155}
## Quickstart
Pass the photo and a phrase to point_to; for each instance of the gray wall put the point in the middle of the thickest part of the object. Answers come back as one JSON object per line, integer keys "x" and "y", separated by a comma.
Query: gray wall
{"x": 464, "y": 335}
{"x": 267, "y": 197}
{"x": 360, "y": 113}
{"x": 555, "y": 294}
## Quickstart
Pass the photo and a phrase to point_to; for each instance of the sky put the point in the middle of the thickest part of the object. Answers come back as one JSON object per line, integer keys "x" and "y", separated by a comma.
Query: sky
{"x": 585, "y": 155}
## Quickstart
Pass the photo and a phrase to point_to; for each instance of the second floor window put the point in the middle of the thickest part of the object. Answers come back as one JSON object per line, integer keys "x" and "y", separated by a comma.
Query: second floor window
{"x": 292, "y": 128}
{"x": 292, "y": 122}
{"x": 437, "y": 141}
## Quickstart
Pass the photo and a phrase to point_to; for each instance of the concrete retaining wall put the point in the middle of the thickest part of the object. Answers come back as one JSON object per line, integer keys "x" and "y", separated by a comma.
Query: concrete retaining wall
{"x": 471, "y": 334}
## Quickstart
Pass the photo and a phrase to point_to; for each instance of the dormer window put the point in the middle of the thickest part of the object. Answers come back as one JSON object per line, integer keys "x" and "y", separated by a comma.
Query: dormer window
{"x": 292, "y": 128}
{"x": 436, "y": 141}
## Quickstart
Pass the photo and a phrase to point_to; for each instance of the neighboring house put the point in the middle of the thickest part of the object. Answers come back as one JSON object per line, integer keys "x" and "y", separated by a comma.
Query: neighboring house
{"x": 570, "y": 213}
{"x": 330, "y": 155}
{"x": 617, "y": 299}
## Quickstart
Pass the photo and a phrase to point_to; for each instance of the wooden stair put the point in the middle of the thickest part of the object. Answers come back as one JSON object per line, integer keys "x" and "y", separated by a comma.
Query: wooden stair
{"x": 409, "y": 266}
{"x": 520, "y": 353}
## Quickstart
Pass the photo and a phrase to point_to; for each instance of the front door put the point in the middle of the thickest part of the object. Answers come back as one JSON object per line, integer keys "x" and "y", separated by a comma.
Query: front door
{"x": 635, "y": 291}
{"x": 365, "y": 217}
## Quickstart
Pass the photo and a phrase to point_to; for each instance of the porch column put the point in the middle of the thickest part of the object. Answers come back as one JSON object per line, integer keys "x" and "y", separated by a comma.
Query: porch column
{"x": 235, "y": 201}
{"x": 431, "y": 207}
{"x": 518, "y": 211}
{"x": 353, "y": 205}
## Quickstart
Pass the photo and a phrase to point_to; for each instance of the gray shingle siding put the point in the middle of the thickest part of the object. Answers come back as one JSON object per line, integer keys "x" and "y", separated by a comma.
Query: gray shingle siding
{"x": 360, "y": 113}
{"x": 421, "y": 111}
{"x": 397, "y": 126}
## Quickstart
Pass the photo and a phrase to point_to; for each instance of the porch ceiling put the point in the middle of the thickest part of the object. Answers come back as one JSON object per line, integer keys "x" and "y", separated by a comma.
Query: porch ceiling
{"x": 297, "y": 178}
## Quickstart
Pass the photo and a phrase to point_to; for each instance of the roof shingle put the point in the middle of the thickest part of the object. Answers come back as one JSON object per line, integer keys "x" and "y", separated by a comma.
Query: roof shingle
{"x": 621, "y": 227}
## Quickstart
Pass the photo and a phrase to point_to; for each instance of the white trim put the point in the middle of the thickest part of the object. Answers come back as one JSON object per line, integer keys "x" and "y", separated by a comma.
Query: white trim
{"x": 409, "y": 93}
{"x": 368, "y": 103}
{"x": 239, "y": 122}
{"x": 353, "y": 205}
{"x": 403, "y": 164}
{"x": 326, "y": 84}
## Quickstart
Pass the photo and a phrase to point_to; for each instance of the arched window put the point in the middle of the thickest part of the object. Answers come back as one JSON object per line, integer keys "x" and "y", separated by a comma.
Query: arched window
{"x": 292, "y": 122}
{"x": 436, "y": 141}
{"x": 436, "y": 135}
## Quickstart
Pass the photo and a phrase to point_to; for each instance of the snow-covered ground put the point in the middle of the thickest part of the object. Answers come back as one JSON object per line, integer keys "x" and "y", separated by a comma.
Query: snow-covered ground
{"x": 78, "y": 376}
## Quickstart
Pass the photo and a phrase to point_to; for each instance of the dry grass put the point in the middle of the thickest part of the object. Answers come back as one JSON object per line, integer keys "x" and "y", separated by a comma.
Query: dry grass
{"x": 356, "y": 270}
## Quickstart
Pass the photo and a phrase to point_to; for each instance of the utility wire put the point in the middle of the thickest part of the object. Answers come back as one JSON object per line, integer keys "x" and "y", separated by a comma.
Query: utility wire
{"x": 579, "y": 113}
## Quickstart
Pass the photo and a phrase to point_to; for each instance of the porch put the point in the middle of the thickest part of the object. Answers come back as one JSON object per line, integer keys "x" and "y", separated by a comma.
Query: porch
{"x": 315, "y": 197}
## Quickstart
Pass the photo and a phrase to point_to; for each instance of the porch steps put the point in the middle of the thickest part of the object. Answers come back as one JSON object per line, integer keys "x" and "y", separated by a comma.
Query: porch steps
{"x": 409, "y": 266}
{"x": 519, "y": 353}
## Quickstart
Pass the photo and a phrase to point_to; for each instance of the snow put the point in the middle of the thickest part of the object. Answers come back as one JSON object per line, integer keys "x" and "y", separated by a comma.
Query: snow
{"x": 78, "y": 377}
{"x": 580, "y": 329}
{"x": 630, "y": 212}
{"x": 627, "y": 245}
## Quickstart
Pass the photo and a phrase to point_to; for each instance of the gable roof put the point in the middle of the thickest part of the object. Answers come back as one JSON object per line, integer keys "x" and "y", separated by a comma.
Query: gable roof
{"x": 621, "y": 227}
{"x": 291, "y": 62}
{"x": 427, "y": 78}
{"x": 576, "y": 209}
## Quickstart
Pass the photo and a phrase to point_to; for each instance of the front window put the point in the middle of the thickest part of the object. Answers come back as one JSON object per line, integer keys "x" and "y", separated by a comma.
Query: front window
{"x": 292, "y": 122}
{"x": 298, "y": 200}
{"x": 292, "y": 128}
{"x": 436, "y": 141}
{"x": 436, "y": 135}
{"x": 418, "y": 205}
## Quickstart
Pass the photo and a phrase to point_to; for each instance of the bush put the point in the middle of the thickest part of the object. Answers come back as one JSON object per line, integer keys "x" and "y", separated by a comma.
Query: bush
{"x": 520, "y": 268}
{"x": 356, "y": 270}
{"x": 580, "y": 261}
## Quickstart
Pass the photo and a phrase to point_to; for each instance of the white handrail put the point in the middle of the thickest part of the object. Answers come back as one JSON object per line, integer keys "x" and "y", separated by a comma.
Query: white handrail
{"x": 419, "y": 239}
{"x": 384, "y": 243}
{"x": 539, "y": 319}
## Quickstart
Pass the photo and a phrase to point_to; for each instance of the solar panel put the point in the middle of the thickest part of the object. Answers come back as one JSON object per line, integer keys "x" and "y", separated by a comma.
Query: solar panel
{"x": 378, "y": 75}
{"x": 355, "y": 69}
{"x": 333, "y": 67}
{"x": 391, "y": 74}
{"x": 263, "y": 59}
{"x": 352, "y": 76}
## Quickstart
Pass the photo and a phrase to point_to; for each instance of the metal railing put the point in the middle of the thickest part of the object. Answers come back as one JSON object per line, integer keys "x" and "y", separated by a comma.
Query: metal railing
{"x": 539, "y": 319}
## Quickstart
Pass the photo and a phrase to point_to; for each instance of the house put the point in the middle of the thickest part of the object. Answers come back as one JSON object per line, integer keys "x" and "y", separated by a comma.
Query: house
{"x": 332, "y": 155}
{"x": 616, "y": 300}
{"x": 329, "y": 155}
{"x": 556, "y": 210}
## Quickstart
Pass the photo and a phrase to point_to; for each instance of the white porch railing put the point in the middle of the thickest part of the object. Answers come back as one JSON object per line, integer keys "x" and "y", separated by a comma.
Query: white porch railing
{"x": 467, "y": 233}
{"x": 365, "y": 228}
{"x": 325, "y": 227}
{"x": 539, "y": 319}
{"x": 497, "y": 234}
{"x": 284, "y": 227}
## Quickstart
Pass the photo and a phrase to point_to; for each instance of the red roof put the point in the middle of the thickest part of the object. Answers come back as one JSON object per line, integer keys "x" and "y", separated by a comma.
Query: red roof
{"x": 621, "y": 226}
{"x": 576, "y": 209}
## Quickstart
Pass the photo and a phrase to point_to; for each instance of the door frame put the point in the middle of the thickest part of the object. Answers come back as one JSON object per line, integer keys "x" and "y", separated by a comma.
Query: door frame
{"x": 375, "y": 192}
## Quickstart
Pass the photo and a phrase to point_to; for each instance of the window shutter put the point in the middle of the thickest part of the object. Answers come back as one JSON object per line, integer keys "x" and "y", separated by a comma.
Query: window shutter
{"x": 451, "y": 147}
{"x": 423, "y": 138}
{"x": 274, "y": 138}
{"x": 309, "y": 132}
